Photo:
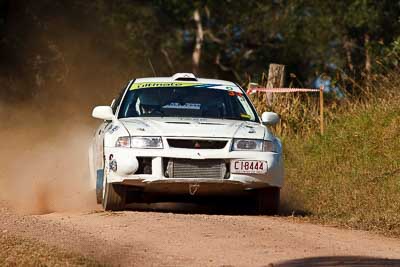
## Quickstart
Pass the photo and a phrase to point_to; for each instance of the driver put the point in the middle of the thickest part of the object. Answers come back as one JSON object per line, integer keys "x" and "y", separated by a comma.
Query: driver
{"x": 148, "y": 102}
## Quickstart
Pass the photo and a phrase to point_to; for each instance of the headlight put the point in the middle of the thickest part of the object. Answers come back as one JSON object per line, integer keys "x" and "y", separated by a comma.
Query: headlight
{"x": 253, "y": 145}
{"x": 124, "y": 141}
{"x": 247, "y": 144}
{"x": 146, "y": 142}
{"x": 139, "y": 142}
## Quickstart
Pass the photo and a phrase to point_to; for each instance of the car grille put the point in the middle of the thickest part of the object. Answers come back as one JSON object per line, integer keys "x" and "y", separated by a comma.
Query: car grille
{"x": 197, "y": 144}
{"x": 190, "y": 168}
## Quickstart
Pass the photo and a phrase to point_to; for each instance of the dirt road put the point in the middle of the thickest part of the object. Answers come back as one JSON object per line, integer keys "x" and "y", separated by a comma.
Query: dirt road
{"x": 174, "y": 238}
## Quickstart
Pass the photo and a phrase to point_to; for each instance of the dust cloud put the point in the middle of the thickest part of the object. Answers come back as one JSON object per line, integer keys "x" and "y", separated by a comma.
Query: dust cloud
{"x": 44, "y": 158}
{"x": 45, "y": 135}
{"x": 49, "y": 84}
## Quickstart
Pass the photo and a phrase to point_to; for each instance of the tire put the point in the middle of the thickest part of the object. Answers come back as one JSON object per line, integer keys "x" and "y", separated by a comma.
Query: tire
{"x": 114, "y": 197}
{"x": 267, "y": 200}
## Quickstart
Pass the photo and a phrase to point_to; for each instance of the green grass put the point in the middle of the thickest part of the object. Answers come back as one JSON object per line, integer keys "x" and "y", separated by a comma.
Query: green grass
{"x": 351, "y": 175}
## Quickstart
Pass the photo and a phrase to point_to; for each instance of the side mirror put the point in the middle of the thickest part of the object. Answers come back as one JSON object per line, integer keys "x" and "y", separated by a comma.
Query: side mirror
{"x": 270, "y": 118}
{"x": 103, "y": 113}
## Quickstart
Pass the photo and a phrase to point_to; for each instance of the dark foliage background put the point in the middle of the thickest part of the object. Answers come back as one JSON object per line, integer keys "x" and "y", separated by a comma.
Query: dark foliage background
{"x": 49, "y": 44}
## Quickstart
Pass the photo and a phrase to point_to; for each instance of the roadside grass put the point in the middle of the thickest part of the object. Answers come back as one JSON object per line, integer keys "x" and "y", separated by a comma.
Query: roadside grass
{"x": 351, "y": 175}
{"x": 18, "y": 251}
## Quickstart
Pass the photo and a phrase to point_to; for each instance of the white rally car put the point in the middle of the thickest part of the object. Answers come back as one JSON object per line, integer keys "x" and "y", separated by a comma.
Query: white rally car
{"x": 185, "y": 136}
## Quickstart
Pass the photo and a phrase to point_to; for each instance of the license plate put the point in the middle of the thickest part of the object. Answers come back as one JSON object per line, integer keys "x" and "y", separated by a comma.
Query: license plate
{"x": 248, "y": 166}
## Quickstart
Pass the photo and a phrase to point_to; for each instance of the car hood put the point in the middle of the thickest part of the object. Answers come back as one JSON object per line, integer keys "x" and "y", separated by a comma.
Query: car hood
{"x": 192, "y": 127}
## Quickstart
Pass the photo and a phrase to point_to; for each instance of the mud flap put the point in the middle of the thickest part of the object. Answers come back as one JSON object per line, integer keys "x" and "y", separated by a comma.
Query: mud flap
{"x": 99, "y": 185}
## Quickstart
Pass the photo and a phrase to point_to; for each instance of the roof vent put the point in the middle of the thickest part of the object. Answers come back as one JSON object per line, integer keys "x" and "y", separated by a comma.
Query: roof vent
{"x": 184, "y": 77}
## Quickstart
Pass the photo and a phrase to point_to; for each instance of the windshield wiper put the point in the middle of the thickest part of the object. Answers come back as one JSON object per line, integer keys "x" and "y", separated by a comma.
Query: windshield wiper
{"x": 235, "y": 118}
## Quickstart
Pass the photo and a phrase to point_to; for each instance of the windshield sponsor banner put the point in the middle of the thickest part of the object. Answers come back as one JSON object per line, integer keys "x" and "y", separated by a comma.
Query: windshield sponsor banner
{"x": 160, "y": 84}
{"x": 143, "y": 85}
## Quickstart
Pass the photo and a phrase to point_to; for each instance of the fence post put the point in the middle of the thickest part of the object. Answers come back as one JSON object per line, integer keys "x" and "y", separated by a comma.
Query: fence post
{"x": 276, "y": 75}
{"x": 321, "y": 109}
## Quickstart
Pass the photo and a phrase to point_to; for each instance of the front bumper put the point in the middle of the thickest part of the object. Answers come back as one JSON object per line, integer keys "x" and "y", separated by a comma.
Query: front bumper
{"x": 158, "y": 182}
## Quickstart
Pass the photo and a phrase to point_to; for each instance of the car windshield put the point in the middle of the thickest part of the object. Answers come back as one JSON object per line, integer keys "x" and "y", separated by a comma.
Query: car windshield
{"x": 188, "y": 101}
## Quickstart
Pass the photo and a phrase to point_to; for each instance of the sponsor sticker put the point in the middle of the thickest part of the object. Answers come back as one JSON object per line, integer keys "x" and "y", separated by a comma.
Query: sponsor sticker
{"x": 113, "y": 129}
{"x": 174, "y": 105}
{"x": 112, "y": 163}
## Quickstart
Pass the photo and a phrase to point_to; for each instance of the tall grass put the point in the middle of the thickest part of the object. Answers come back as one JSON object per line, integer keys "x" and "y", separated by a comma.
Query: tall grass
{"x": 299, "y": 112}
{"x": 350, "y": 176}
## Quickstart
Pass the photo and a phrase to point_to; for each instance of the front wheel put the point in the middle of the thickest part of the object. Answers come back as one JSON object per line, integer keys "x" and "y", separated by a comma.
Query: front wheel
{"x": 114, "y": 197}
{"x": 267, "y": 200}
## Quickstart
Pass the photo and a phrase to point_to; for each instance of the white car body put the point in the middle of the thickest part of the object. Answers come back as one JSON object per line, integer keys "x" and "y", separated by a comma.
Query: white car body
{"x": 124, "y": 166}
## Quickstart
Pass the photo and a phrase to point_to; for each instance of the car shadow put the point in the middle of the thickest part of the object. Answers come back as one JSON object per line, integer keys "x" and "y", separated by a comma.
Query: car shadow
{"x": 232, "y": 206}
{"x": 189, "y": 208}
{"x": 178, "y": 208}
{"x": 338, "y": 261}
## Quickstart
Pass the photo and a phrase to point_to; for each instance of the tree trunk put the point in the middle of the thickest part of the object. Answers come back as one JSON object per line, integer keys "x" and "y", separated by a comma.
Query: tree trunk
{"x": 368, "y": 65}
{"x": 348, "y": 46}
{"x": 199, "y": 42}
{"x": 276, "y": 76}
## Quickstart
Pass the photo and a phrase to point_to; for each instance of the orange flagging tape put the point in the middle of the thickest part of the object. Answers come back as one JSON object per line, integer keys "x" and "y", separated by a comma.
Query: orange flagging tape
{"x": 280, "y": 90}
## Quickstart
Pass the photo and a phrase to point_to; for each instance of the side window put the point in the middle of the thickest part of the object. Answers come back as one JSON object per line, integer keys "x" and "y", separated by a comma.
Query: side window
{"x": 117, "y": 101}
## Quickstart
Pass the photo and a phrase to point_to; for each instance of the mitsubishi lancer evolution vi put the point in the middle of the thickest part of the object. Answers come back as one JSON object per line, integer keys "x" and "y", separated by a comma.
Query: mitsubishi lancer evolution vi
{"x": 185, "y": 136}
